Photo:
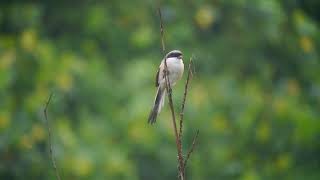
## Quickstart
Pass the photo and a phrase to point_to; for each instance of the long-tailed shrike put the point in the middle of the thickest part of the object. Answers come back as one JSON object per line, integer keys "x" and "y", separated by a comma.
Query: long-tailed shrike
{"x": 175, "y": 70}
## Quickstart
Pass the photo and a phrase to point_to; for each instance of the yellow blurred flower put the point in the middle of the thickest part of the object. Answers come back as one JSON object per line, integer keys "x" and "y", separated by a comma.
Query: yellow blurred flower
{"x": 35, "y": 100}
{"x": 280, "y": 105}
{"x": 306, "y": 44}
{"x": 4, "y": 120}
{"x": 250, "y": 175}
{"x": 38, "y": 133}
{"x": 263, "y": 132}
{"x": 140, "y": 133}
{"x": 142, "y": 37}
{"x": 28, "y": 40}
{"x": 283, "y": 162}
{"x": 298, "y": 17}
{"x": 65, "y": 132}
{"x": 205, "y": 17}
{"x": 82, "y": 165}
{"x": 64, "y": 81}
{"x": 26, "y": 142}
{"x": 219, "y": 124}
{"x": 116, "y": 163}
{"x": 199, "y": 96}
{"x": 7, "y": 59}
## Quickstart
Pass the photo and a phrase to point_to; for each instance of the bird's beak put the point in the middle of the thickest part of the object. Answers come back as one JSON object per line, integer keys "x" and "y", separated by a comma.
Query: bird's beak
{"x": 180, "y": 57}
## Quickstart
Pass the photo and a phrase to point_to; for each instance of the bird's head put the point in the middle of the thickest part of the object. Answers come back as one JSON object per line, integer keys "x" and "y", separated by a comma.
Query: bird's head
{"x": 174, "y": 54}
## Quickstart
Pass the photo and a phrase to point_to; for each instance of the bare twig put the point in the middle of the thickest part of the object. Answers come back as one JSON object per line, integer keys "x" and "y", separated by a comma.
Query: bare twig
{"x": 184, "y": 99}
{"x": 194, "y": 67}
{"x": 161, "y": 31}
{"x": 178, "y": 142}
{"x": 49, "y": 138}
{"x": 192, "y": 148}
{"x": 169, "y": 91}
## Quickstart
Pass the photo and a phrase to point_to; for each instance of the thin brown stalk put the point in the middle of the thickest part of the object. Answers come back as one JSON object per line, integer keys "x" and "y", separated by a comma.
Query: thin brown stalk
{"x": 169, "y": 91}
{"x": 161, "y": 31}
{"x": 192, "y": 148}
{"x": 186, "y": 87}
{"x": 49, "y": 139}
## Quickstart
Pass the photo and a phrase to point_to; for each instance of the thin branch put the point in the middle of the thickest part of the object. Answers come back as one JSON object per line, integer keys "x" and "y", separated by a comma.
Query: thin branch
{"x": 161, "y": 31}
{"x": 192, "y": 148}
{"x": 49, "y": 138}
{"x": 178, "y": 142}
{"x": 184, "y": 99}
{"x": 169, "y": 91}
{"x": 194, "y": 67}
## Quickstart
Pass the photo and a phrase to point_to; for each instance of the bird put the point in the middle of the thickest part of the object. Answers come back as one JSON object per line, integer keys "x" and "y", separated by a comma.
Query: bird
{"x": 175, "y": 69}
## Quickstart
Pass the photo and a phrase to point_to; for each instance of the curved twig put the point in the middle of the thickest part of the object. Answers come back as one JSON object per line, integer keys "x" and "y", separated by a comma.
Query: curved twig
{"x": 49, "y": 139}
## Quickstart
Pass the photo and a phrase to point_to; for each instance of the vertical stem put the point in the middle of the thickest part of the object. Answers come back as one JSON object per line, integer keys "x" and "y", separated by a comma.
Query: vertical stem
{"x": 49, "y": 139}
{"x": 184, "y": 99}
{"x": 169, "y": 91}
{"x": 161, "y": 32}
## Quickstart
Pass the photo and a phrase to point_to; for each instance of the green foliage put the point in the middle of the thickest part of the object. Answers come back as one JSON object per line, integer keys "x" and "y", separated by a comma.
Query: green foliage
{"x": 255, "y": 94}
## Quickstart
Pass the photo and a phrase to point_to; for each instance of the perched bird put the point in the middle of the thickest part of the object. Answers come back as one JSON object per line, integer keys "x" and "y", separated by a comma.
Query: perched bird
{"x": 175, "y": 68}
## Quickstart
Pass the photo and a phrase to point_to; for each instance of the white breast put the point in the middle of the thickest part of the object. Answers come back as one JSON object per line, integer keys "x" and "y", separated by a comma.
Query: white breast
{"x": 175, "y": 67}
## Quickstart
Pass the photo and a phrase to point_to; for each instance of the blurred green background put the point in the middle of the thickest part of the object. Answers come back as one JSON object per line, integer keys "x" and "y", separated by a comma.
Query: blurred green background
{"x": 255, "y": 94}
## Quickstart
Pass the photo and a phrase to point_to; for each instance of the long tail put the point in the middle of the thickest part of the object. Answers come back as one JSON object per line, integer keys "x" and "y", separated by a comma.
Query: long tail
{"x": 158, "y": 104}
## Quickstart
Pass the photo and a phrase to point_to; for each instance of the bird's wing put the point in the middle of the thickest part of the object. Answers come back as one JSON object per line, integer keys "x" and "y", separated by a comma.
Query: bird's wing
{"x": 160, "y": 74}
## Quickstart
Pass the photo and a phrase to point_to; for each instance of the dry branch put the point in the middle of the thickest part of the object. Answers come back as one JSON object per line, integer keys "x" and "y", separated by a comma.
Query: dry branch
{"x": 49, "y": 139}
{"x": 161, "y": 32}
{"x": 169, "y": 92}
{"x": 186, "y": 87}
{"x": 192, "y": 148}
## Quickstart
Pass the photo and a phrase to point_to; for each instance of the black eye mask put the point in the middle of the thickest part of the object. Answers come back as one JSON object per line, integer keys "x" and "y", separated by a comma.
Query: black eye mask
{"x": 175, "y": 54}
